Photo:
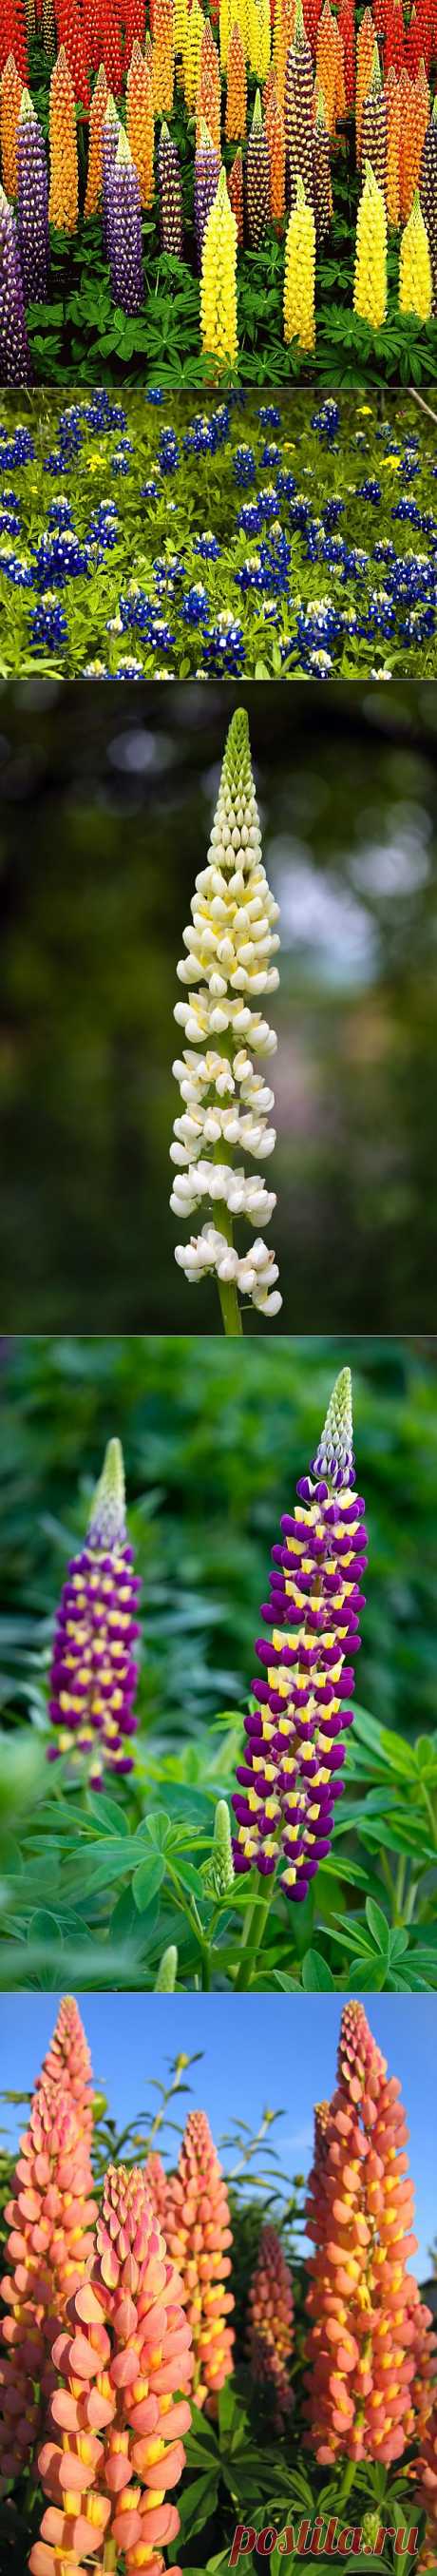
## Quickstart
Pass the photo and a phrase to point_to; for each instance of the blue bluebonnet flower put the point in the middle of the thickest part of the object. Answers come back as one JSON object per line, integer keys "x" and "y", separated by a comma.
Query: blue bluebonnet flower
{"x": 48, "y": 625}
{"x": 327, "y": 420}
{"x": 250, "y": 519}
{"x": 195, "y": 606}
{"x": 155, "y": 394}
{"x": 17, "y": 570}
{"x": 149, "y": 491}
{"x": 169, "y": 452}
{"x": 59, "y": 556}
{"x": 370, "y": 491}
{"x": 243, "y": 465}
{"x": 60, "y": 513}
{"x": 17, "y": 450}
{"x": 224, "y": 653}
{"x": 270, "y": 416}
{"x": 206, "y": 546}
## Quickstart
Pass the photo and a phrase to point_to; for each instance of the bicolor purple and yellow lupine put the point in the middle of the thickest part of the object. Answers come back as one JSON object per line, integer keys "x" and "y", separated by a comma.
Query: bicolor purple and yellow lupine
{"x": 94, "y": 1671}
{"x": 289, "y": 1780}
{"x": 230, "y": 942}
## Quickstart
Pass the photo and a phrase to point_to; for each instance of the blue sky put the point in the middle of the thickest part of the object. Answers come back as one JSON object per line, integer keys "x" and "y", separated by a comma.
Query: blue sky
{"x": 257, "y": 2050}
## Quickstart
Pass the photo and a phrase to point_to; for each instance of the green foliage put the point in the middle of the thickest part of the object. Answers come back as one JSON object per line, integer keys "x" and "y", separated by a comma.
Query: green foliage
{"x": 214, "y": 1440}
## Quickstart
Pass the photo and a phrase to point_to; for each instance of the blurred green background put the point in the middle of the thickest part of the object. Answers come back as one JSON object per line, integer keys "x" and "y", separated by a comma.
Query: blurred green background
{"x": 106, "y": 803}
{"x": 215, "y": 1436}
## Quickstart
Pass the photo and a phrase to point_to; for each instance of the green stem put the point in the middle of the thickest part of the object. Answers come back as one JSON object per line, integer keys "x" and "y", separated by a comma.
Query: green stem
{"x": 109, "y": 2555}
{"x": 347, "y": 2483}
{"x": 253, "y": 1931}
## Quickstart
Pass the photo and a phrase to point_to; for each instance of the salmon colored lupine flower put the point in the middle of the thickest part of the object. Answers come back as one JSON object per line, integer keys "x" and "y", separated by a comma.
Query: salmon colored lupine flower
{"x": 270, "y": 2324}
{"x": 157, "y": 2184}
{"x": 63, "y": 199}
{"x": 365, "y": 49}
{"x": 97, "y": 112}
{"x": 370, "y": 278}
{"x": 289, "y": 1779}
{"x": 415, "y": 278}
{"x": 94, "y": 1674}
{"x": 140, "y": 121}
{"x": 198, "y": 2235}
{"x": 68, "y": 2063}
{"x": 50, "y": 2217}
{"x": 299, "y": 275}
{"x": 125, "y": 2364}
{"x": 362, "y": 2302}
{"x": 236, "y": 97}
{"x": 10, "y": 103}
{"x": 236, "y": 195}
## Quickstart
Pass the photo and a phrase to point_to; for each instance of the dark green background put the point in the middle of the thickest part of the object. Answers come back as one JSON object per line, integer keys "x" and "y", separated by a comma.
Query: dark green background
{"x": 106, "y": 804}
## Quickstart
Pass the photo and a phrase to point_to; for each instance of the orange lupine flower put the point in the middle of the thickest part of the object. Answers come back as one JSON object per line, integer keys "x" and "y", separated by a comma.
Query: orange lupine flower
{"x": 63, "y": 199}
{"x": 140, "y": 121}
{"x": 414, "y": 105}
{"x": 365, "y": 46}
{"x": 50, "y": 2217}
{"x": 326, "y": 63}
{"x": 198, "y": 2235}
{"x": 270, "y": 2323}
{"x": 97, "y": 111}
{"x": 236, "y": 97}
{"x": 393, "y": 147}
{"x": 283, "y": 32}
{"x": 235, "y": 194}
{"x": 209, "y": 95}
{"x": 10, "y": 102}
{"x": 275, "y": 131}
{"x": 117, "y": 2418}
{"x": 364, "y": 2306}
{"x": 163, "y": 57}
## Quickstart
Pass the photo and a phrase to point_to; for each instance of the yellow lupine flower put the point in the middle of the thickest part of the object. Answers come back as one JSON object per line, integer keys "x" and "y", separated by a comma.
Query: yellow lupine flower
{"x": 218, "y": 284}
{"x": 370, "y": 282}
{"x": 192, "y": 52}
{"x": 415, "y": 276}
{"x": 259, "y": 38}
{"x": 299, "y": 278}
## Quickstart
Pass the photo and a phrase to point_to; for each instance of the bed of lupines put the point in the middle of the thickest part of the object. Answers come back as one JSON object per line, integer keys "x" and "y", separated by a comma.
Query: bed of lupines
{"x": 167, "y": 151}
{"x": 269, "y": 538}
{"x": 111, "y": 2396}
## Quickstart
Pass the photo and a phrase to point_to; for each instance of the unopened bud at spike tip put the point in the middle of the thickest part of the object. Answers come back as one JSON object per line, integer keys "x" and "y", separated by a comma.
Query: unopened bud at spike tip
{"x": 108, "y": 1515}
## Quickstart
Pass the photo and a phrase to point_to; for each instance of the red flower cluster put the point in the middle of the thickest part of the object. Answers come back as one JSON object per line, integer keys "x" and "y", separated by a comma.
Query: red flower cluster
{"x": 270, "y": 2328}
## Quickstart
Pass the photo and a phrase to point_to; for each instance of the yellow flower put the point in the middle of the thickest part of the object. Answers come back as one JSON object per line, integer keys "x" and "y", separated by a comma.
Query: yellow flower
{"x": 299, "y": 276}
{"x": 218, "y": 285}
{"x": 370, "y": 282}
{"x": 415, "y": 277}
{"x": 394, "y": 463}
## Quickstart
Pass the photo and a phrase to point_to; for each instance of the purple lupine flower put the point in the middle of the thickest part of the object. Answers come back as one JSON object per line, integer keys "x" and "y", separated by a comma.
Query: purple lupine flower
{"x": 110, "y": 134}
{"x": 124, "y": 230}
{"x": 15, "y": 366}
{"x": 170, "y": 195}
{"x": 289, "y": 1780}
{"x": 206, "y": 179}
{"x": 33, "y": 203}
{"x": 94, "y": 1673}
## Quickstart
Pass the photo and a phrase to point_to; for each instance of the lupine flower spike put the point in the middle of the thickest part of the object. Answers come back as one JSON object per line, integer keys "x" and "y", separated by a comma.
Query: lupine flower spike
{"x": 415, "y": 275}
{"x": 218, "y": 1871}
{"x": 270, "y": 2325}
{"x": 15, "y": 366}
{"x": 299, "y": 274}
{"x": 370, "y": 282}
{"x": 198, "y": 2234}
{"x": 364, "y": 2306}
{"x": 124, "y": 2359}
{"x": 94, "y": 1674}
{"x": 289, "y": 1778}
{"x": 227, "y": 1104}
{"x": 33, "y": 225}
{"x": 218, "y": 292}
{"x": 50, "y": 2217}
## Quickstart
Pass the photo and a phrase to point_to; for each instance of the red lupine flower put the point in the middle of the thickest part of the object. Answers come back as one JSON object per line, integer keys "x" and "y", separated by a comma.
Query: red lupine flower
{"x": 50, "y": 2217}
{"x": 270, "y": 2327}
{"x": 363, "y": 2304}
{"x": 125, "y": 2364}
{"x": 198, "y": 2234}
{"x": 94, "y": 1673}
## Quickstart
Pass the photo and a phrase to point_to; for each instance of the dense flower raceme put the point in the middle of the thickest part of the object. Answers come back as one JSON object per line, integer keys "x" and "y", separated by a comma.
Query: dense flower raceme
{"x": 124, "y": 2358}
{"x": 198, "y": 2235}
{"x": 270, "y": 2324}
{"x": 94, "y": 1674}
{"x": 50, "y": 2218}
{"x": 289, "y": 1779}
{"x": 227, "y": 1104}
{"x": 366, "y": 2318}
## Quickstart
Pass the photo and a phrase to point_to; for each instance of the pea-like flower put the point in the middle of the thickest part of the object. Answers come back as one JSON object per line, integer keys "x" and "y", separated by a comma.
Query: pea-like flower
{"x": 363, "y": 2304}
{"x": 289, "y": 1778}
{"x": 198, "y": 2235}
{"x": 124, "y": 2360}
{"x": 50, "y": 2219}
{"x": 94, "y": 1673}
{"x": 270, "y": 2324}
{"x": 226, "y": 1103}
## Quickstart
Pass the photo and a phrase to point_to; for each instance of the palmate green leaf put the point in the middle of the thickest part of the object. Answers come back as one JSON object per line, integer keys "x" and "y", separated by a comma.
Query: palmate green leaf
{"x": 316, "y": 1975}
{"x": 148, "y": 1879}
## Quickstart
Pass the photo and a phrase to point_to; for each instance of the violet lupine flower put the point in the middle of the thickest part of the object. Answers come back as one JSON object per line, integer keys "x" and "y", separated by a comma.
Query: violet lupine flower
{"x": 33, "y": 203}
{"x": 15, "y": 366}
{"x": 124, "y": 230}
{"x": 170, "y": 195}
{"x": 94, "y": 1673}
{"x": 206, "y": 179}
{"x": 289, "y": 1780}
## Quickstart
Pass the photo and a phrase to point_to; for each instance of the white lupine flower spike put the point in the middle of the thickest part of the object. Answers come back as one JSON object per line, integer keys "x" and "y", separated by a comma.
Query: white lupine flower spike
{"x": 226, "y": 1101}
